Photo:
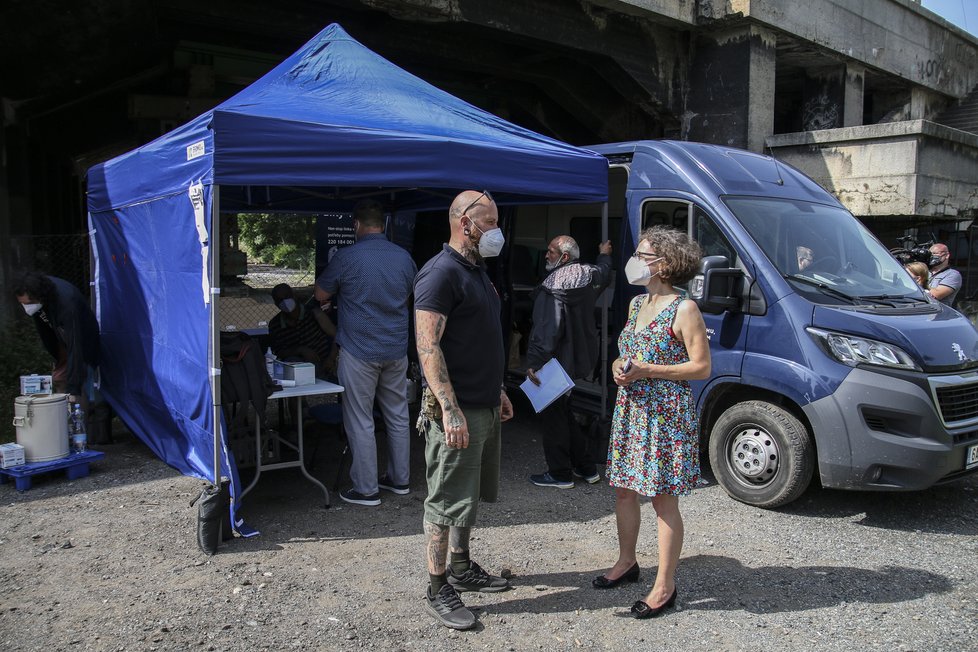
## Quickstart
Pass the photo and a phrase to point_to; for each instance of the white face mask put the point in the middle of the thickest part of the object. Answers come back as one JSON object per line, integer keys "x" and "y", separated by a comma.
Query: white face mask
{"x": 552, "y": 266}
{"x": 31, "y": 308}
{"x": 287, "y": 305}
{"x": 637, "y": 271}
{"x": 491, "y": 242}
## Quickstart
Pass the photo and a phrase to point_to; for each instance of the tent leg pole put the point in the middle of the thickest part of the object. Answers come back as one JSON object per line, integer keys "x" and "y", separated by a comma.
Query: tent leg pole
{"x": 214, "y": 352}
{"x": 604, "y": 323}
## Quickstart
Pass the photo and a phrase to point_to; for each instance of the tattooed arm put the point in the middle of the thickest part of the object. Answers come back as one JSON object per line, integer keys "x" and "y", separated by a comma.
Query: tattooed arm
{"x": 429, "y": 327}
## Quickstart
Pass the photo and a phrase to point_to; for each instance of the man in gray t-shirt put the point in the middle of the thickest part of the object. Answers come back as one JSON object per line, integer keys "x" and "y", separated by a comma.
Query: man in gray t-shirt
{"x": 944, "y": 281}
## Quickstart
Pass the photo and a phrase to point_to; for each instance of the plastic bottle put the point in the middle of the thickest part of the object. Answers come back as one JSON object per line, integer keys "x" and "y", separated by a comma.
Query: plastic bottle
{"x": 71, "y": 423}
{"x": 76, "y": 430}
{"x": 270, "y": 361}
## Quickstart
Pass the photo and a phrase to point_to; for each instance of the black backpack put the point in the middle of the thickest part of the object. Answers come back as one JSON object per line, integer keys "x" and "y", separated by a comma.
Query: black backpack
{"x": 244, "y": 377}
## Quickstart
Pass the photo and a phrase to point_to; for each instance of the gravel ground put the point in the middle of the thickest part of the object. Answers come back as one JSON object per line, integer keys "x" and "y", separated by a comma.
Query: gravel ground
{"x": 109, "y": 562}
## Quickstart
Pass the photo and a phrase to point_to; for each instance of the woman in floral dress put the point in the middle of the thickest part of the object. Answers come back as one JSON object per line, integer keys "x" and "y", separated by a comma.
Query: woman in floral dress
{"x": 654, "y": 434}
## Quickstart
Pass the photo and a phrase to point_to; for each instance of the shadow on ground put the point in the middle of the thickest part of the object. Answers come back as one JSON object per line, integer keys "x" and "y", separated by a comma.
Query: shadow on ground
{"x": 715, "y": 583}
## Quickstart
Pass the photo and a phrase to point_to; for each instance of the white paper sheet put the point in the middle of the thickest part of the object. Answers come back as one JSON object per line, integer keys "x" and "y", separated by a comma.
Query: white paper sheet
{"x": 554, "y": 383}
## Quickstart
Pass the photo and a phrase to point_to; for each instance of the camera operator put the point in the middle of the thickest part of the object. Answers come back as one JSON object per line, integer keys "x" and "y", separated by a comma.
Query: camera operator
{"x": 944, "y": 280}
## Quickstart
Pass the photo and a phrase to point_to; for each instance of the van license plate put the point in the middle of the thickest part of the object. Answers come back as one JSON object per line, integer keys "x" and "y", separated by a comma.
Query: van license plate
{"x": 971, "y": 459}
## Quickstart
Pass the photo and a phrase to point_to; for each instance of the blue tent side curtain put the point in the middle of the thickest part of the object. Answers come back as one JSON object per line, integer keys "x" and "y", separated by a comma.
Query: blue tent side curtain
{"x": 332, "y": 122}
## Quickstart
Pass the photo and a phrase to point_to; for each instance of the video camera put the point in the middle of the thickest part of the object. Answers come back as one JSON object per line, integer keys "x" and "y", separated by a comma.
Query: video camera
{"x": 910, "y": 251}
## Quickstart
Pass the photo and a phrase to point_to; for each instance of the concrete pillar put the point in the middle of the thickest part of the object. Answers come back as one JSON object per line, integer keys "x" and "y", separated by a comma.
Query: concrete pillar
{"x": 760, "y": 111}
{"x": 852, "y": 113}
{"x": 924, "y": 103}
{"x": 730, "y": 100}
{"x": 5, "y": 251}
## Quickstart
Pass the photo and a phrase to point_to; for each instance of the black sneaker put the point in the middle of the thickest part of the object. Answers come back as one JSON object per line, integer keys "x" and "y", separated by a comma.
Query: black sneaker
{"x": 399, "y": 489}
{"x": 448, "y": 609}
{"x": 589, "y": 476}
{"x": 476, "y": 579}
{"x": 357, "y": 498}
{"x": 547, "y": 480}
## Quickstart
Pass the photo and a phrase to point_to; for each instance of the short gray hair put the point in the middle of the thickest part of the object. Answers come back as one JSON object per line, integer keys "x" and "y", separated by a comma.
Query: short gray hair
{"x": 568, "y": 245}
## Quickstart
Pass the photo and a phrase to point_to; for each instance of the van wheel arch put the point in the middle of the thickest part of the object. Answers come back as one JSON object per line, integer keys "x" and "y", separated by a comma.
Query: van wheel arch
{"x": 761, "y": 450}
{"x": 723, "y": 397}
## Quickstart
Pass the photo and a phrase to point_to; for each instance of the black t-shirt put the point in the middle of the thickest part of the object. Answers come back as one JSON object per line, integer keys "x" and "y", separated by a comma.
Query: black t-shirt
{"x": 450, "y": 285}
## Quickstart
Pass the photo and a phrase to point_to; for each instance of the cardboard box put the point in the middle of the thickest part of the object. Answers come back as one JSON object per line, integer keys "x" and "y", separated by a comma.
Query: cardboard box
{"x": 35, "y": 384}
{"x": 11, "y": 455}
{"x": 303, "y": 373}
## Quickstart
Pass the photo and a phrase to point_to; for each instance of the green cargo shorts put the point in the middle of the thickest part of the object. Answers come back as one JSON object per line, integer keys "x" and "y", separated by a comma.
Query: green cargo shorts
{"x": 459, "y": 477}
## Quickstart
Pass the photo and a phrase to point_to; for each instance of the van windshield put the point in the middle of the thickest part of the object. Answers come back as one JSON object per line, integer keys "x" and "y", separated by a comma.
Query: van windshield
{"x": 824, "y": 252}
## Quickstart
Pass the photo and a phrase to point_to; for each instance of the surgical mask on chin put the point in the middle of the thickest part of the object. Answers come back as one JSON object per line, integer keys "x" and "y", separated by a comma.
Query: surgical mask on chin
{"x": 491, "y": 242}
{"x": 31, "y": 308}
{"x": 287, "y": 305}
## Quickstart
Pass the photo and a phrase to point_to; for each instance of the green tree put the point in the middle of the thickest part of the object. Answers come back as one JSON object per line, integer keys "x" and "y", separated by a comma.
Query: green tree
{"x": 285, "y": 240}
{"x": 22, "y": 355}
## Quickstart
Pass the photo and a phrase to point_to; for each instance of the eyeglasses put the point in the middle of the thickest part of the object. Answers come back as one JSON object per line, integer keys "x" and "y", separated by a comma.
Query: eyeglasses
{"x": 646, "y": 256}
{"x": 485, "y": 193}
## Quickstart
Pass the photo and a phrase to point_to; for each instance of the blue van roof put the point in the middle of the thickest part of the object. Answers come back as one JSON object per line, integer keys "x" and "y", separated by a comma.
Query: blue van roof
{"x": 714, "y": 170}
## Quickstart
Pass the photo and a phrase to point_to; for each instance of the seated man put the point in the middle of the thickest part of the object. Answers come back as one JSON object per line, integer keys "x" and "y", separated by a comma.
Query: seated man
{"x": 805, "y": 257}
{"x": 301, "y": 334}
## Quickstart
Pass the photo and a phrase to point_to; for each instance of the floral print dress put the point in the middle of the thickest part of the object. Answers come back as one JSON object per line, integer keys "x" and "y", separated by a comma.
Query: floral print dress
{"x": 654, "y": 433}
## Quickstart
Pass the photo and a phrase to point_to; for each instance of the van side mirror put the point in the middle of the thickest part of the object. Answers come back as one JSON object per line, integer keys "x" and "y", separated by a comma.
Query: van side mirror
{"x": 717, "y": 287}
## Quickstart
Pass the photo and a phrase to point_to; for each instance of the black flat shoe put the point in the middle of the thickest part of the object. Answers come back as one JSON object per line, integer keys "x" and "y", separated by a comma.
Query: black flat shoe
{"x": 642, "y": 610}
{"x": 602, "y": 582}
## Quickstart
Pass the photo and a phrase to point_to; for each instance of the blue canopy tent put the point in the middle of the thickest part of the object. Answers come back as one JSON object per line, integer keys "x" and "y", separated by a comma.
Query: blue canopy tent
{"x": 330, "y": 123}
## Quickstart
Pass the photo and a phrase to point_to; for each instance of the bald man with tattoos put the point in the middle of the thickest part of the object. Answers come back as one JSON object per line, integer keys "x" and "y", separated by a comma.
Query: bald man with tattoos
{"x": 460, "y": 346}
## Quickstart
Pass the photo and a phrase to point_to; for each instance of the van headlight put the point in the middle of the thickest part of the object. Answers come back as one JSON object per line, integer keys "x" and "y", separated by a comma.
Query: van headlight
{"x": 852, "y": 350}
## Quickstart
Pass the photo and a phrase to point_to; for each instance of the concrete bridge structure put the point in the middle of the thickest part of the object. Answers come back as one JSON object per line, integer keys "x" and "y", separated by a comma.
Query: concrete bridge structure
{"x": 875, "y": 99}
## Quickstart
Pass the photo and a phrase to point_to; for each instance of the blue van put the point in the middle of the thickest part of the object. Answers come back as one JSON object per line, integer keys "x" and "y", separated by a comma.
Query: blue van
{"x": 826, "y": 355}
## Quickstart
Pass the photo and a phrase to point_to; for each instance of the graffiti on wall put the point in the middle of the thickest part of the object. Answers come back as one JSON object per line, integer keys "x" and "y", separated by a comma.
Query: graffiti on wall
{"x": 820, "y": 112}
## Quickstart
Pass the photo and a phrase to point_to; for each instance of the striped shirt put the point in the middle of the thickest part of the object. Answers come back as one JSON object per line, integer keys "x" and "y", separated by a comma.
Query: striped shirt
{"x": 284, "y": 337}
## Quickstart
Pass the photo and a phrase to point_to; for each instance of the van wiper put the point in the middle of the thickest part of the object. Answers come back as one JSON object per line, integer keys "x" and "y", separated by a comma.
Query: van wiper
{"x": 827, "y": 289}
{"x": 897, "y": 298}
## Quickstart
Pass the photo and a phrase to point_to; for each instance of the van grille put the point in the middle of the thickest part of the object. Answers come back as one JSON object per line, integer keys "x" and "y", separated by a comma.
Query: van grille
{"x": 958, "y": 402}
{"x": 965, "y": 437}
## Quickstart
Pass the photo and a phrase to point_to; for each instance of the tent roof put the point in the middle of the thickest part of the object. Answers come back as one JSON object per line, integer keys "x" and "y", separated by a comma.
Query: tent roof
{"x": 335, "y": 116}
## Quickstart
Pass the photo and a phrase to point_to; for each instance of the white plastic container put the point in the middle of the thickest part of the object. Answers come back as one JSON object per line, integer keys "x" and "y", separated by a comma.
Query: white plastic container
{"x": 303, "y": 373}
{"x": 35, "y": 384}
{"x": 41, "y": 422}
{"x": 11, "y": 455}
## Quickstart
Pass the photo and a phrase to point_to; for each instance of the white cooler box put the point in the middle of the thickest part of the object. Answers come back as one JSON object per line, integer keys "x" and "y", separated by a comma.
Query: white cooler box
{"x": 302, "y": 373}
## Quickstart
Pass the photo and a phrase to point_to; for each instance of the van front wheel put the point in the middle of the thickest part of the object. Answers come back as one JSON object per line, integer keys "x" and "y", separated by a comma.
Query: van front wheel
{"x": 761, "y": 454}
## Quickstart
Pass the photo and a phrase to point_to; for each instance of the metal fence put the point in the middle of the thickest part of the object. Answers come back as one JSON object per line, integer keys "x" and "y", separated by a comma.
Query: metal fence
{"x": 250, "y": 269}
{"x": 246, "y": 301}
{"x": 245, "y": 297}
{"x": 63, "y": 255}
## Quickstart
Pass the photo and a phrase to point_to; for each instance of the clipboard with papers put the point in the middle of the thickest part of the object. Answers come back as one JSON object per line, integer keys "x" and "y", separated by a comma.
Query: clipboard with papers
{"x": 554, "y": 383}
